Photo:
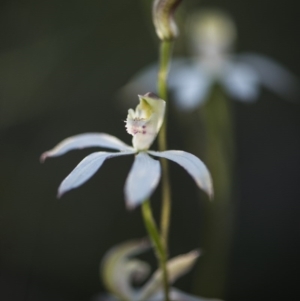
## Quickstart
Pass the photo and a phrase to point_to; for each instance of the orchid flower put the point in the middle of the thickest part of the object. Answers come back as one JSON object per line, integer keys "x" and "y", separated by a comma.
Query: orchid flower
{"x": 212, "y": 36}
{"x": 143, "y": 124}
{"x": 119, "y": 271}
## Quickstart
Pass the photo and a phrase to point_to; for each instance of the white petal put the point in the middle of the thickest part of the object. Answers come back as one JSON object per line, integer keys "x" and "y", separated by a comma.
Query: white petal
{"x": 190, "y": 85}
{"x": 177, "y": 267}
{"x": 181, "y": 264}
{"x": 142, "y": 179}
{"x": 143, "y": 80}
{"x": 273, "y": 76}
{"x": 242, "y": 81}
{"x": 86, "y": 169}
{"x": 86, "y": 140}
{"x": 193, "y": 165}
{"x": 118, "y": 269}
{"x": 177, "y": 295}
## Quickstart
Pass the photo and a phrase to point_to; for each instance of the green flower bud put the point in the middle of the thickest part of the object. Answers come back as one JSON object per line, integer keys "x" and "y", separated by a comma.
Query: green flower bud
{"x": 163, "y": 19}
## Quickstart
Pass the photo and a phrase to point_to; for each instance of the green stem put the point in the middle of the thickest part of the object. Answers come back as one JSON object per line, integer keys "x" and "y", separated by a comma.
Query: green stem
{"x": 219, "y": 215}
{"x": 164, "y": 61}
{"x": 158, "y": 244}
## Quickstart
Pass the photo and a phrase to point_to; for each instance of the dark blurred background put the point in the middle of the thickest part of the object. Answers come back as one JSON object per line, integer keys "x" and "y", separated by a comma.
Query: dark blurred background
{"x": 61, "y": 65}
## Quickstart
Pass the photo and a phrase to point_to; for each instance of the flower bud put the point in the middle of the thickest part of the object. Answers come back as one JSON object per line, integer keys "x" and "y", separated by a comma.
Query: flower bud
{"x": 163, "y": 19}
{"x": 145, "y": 121}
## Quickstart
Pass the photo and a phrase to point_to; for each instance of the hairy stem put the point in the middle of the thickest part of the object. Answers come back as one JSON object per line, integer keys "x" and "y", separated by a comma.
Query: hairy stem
{"x": 164, "y": 61}
{"x": 157, "y": 243}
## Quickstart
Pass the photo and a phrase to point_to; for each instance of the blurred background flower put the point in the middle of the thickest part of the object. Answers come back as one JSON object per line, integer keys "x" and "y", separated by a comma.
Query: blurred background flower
{"x": 120, "y": 269}
{"x": 66, "y": 58}
{"x": 203, "y": 84}
{"x": 211, "y": 37}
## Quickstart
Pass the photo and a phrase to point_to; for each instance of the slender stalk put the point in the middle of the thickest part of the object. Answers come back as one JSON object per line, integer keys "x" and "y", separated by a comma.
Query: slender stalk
{"x": 164, "y": 61}
{"x": 219, "y": 215}
{"x": 158, "y": 244}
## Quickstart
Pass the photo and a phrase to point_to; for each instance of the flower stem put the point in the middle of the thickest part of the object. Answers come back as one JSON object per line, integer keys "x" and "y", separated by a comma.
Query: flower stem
{"x": 218, "y": 223}
{"x": 164, "y": 61}
{"x": 158, "y": 244}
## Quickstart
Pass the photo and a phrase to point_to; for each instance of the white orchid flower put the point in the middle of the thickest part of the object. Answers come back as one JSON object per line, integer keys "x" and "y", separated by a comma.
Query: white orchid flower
{"x": 143, "y": 124}
{"x": 212, "y": 35}
{"x": 119, "y": 271}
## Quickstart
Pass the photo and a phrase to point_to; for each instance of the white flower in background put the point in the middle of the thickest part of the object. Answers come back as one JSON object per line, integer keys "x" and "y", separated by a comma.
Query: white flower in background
{"x": 212, "y": 36}
{"x": 143, "y": 124}
{"x": 119, "y": 272}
